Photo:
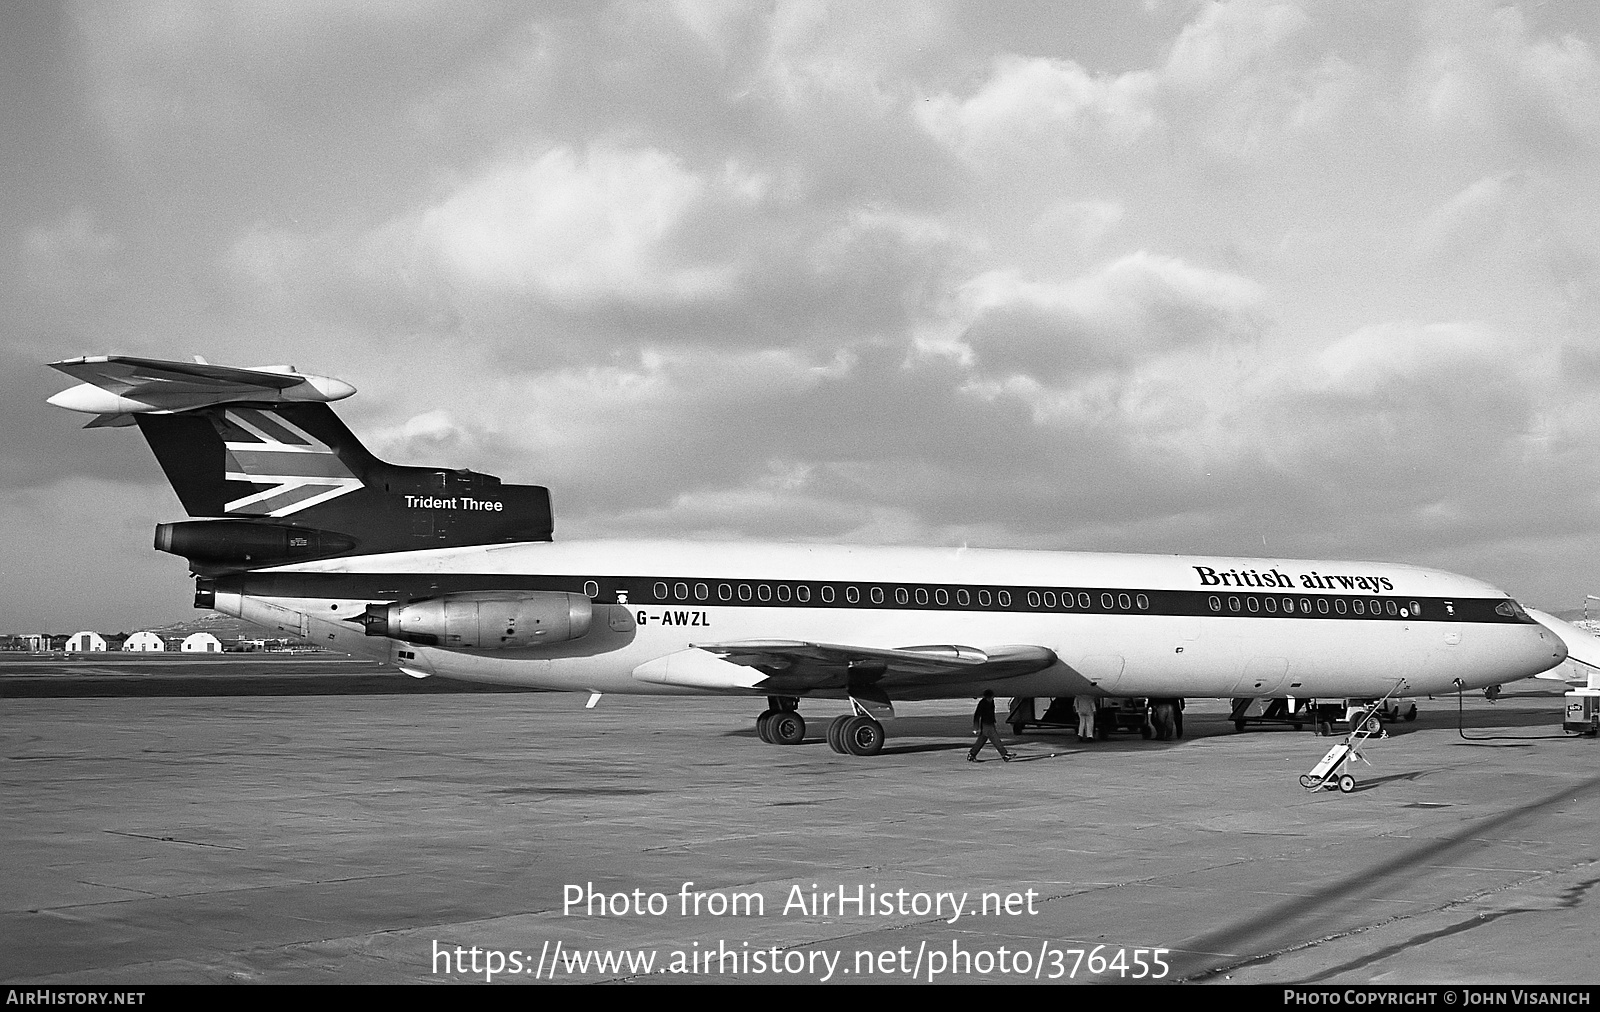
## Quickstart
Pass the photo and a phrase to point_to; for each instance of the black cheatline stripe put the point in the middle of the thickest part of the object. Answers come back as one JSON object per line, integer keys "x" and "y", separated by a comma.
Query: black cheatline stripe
{"x": 659, "y": 591}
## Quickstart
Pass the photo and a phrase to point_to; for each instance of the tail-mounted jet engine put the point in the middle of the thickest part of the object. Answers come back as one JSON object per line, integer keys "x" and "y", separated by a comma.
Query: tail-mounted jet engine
{"x": 483, "y": 620}
{"x": 215, "y": 545}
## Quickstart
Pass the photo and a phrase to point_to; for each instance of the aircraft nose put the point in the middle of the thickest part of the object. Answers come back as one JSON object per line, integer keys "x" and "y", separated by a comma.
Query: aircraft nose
{"x": 1547, "y": 651}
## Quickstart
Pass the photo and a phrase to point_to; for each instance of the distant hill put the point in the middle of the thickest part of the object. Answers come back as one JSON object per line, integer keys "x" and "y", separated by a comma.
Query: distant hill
{"x": 223, "y": 627}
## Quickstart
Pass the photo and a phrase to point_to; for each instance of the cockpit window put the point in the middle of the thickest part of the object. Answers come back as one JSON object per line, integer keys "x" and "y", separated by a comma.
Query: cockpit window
{"x": 1511, "y": 609}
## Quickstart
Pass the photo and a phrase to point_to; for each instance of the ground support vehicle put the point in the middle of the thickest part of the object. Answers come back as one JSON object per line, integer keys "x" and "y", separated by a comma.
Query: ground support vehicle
{"x": 1151, "y": 718}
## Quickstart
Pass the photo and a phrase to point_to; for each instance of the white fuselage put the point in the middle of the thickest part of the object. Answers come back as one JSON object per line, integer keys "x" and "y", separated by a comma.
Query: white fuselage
{"x": 1127, "y": 625}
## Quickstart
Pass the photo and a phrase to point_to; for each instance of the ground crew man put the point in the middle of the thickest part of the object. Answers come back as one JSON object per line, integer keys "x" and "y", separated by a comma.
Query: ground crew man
{"x": 983, "y": 724}
{"x": 1085, "y": 705}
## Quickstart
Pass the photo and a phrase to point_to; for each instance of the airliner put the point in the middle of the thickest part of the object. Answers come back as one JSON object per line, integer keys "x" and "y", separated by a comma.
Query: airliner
{"x": 295, "y": 526}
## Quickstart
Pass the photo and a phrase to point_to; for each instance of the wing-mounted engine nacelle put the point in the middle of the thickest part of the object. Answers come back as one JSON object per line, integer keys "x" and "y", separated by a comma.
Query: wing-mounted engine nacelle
{"x": 484, "y": 620}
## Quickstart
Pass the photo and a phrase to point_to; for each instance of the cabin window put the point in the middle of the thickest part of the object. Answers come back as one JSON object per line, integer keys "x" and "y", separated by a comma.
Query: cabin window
{"x": 901, "y": 597}
{"x": 852, "y": 595}
{"x": 661, "y": 591}
{"x": 1305, "y": 606}
{"x": 802, "y": 593}
{"x": 1392, "y": 607}
{"x": 1358, "y": 606}
{"x": 922, "y": 595}
{"x": 1033, "y": 599}
{"x": 1339, "y": 605}
{"x": 700, "y": 592}
{"x": 681, "y": 591}
{"x": 783, "y": 592}
{"x": 1124, "y": 602}
{"x": 877, "y": 595}
{"x": 744, "y": 592}
{"x": 1253, "y": 604}
{"x": 827, "y": 593}
{"x": 724, "y": 592}
{"x": 763, "y": 592}
{"x": 1215, "y": 603}
{"x": 1143, "y": 602}
{"x": 941, "y": 597}
{"x": 1233, "y": 604}
{"x": 984, "y": 599}
{"x": 1107, "y": 602}
{"x": 1004, "y": 598}
{"x": 591, "y": 590}
{"x": 1416, "y": 609}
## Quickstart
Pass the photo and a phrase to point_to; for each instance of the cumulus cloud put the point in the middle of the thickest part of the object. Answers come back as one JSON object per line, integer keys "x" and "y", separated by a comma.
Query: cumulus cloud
{"x": 74, "y": 252}
{"x": 573, "y": 231}
{"x": 1135, "y": 307}
{"x": 1028, "y": 103}
{"x": 1485, "y": 72}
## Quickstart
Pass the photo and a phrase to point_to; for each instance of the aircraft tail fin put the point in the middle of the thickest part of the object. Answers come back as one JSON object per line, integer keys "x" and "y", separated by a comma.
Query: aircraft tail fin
{"x": 279, "y": 478}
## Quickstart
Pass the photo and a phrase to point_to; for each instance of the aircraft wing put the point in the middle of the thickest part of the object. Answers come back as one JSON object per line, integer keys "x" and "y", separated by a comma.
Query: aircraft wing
{"x": 786, "y": 667}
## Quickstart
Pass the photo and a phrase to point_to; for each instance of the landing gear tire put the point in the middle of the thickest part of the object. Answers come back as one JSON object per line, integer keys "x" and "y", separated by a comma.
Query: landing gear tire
{"x": 1018, "y": 728}
{"x": 1238, "y": 727}
{"x": 1177, "y": 719}
{"x": 1347, "y": 783}
{"x": 862, "y": 736}
{"x": 763, "y": 725}
{"x": 1325, "y": 728}
{"x": 1411, "y": 713}
{"x": 836, "y": 732}
{"x": 786, "y": 728}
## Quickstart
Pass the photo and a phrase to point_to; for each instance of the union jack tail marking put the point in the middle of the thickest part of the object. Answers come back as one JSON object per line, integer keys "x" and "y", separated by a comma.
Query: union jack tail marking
{"x": 265, "y": 449}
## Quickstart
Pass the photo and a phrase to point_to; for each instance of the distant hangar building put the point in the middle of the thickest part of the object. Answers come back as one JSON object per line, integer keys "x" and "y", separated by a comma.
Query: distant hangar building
{"x": 201, "y": 643}
{"x": 85, "y": 642}
{"x": 144, "y": 642}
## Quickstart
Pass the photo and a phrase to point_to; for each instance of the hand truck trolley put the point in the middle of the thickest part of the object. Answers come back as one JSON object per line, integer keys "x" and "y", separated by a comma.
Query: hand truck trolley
{"x": 1334, "y": 768}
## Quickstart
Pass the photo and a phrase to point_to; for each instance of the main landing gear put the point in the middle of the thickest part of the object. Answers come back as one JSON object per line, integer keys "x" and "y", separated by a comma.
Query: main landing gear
{"x": 854, "y": 734}
{"x": 848, "y": 734}
{"x": 781, "y": 723}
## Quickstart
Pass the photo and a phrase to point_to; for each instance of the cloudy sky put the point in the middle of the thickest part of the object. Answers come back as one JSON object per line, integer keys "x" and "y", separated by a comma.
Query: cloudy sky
{"x": 1289, "y": 279}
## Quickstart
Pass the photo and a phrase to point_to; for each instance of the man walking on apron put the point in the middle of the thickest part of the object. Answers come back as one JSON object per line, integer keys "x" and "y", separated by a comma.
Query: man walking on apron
{"x": 1085, "y": 705}
{"x": 983, "y": 723}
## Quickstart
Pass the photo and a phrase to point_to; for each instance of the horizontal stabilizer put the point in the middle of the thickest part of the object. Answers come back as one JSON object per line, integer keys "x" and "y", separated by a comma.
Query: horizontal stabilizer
{"x": 117, "y": 385}
{"x": 121, "y": 421}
